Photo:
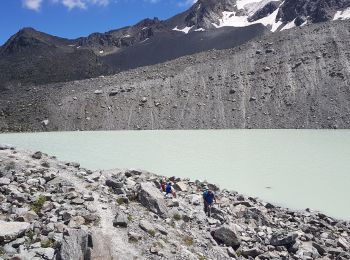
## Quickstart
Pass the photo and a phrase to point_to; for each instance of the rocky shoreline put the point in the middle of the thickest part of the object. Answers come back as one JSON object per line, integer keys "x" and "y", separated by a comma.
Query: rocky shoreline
{"x": 58, "y": 210}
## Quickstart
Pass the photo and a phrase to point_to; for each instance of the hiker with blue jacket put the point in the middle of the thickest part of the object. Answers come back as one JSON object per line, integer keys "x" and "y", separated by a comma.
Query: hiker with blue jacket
{"x": 169, "y": 189}
{"x": 209, "y": 198}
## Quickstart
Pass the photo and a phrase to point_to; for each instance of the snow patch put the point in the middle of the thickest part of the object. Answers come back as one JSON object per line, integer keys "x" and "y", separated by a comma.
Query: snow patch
{"x": 303, "y": 24}
{"x": 289, "y": 25}
{"x": 101, "y": 52}
{"x": 144, "y": 40}
{"x": 270, "y": 20}
{"x": 342, "y": 15}
{"x": 184, "y": 30}
{"x": 199, "y": 30}
{"x": 230, "y": 19}
{"x": 45, "y": 122}
{"x": 126, "y": 36}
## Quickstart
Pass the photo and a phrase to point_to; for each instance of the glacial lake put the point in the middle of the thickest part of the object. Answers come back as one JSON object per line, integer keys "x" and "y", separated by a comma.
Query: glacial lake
{"x": 298, "y": 169}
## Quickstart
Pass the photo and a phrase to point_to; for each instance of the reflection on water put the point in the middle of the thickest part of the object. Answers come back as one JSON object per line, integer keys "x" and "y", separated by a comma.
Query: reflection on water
{"x": 295, "y": 168}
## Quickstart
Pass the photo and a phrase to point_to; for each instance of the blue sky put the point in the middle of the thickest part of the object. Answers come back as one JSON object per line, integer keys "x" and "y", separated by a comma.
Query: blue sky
{"x": 74, "y": 18}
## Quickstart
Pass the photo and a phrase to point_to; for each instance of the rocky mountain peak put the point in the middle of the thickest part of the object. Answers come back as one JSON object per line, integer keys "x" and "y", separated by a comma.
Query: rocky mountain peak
{"x": 28, "y": 38}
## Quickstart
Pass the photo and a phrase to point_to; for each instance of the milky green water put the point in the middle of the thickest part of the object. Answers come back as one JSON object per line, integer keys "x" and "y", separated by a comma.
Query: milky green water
{"x": 294, "y": 168}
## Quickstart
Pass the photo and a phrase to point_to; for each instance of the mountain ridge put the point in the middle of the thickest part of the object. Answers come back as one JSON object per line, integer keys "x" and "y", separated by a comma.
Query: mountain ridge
{"x": 30, "y": 51}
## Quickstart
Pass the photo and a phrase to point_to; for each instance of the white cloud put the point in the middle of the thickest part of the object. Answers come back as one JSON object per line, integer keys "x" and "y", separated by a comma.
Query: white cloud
{"x": 32, "y": 4}
{"x": 186, "y": 2}
{"x": 100, "y": 2}
{"x": 70, "y": 4}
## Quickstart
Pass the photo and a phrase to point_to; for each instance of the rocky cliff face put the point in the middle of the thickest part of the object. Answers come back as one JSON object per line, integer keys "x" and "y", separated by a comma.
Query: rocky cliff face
{"x": 297, "y": 78}
{"x": 210, "y": 14}
{"x": 58, "y": 210}
{"x": 311, "y": 11}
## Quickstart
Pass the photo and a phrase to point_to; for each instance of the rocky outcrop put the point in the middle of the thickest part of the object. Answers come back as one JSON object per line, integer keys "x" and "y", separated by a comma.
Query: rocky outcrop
{"x": 10, "y": 231}
{"x": 227, "y": 236}
{"x": 75, "y": 245}
{"x": 75, "y": 215}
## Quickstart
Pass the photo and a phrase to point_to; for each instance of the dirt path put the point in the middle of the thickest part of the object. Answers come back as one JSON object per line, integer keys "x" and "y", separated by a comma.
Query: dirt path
{"x": 109, "y": 242}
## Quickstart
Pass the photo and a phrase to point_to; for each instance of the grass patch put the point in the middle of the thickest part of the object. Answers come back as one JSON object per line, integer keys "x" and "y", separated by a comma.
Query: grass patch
{"x": 30, "y": 234}
{"x": 121, "y": 201}
{"x": 38, "y": 204}
{"x": 2, "y": 252}
{"x": 130, "y": 218}
{"x": 152, "y": 232}
{"x": 177, "y": 217}
{"x": 188, "y": 241}
{"x": 47, "y": 243}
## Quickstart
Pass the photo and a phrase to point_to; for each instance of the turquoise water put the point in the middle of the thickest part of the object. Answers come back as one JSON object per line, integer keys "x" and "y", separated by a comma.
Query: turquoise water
{"x": 294, "y": 168}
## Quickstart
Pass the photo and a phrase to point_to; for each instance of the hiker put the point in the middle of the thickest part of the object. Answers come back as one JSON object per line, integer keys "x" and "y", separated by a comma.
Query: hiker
{"x": 163, "y": 184}
{"x": 169, "y": 189}
{"x": 209, "y": 198}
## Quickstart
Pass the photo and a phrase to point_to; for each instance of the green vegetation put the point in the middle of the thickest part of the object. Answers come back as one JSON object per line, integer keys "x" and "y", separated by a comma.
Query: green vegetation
{"x": 177, "y": 217}
{"x": 121, "y": 201}
{"x": 152, "y": 232}
{"x": 38, "y": 204}
{"x": 47, "y": 243}
{"x": 129, "y": 217}
{"x": 30, "y": 234}
{"x": 188, "y": 241}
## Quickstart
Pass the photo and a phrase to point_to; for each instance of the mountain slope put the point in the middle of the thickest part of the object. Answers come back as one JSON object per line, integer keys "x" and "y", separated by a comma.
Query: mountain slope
{"x": 163, "y": 47}
{"x": 297, "y": 78}
{"x": 34, "y": 57}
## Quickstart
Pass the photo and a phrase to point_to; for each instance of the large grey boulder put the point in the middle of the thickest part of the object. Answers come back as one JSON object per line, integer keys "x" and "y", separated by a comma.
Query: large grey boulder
{"x": 37, "y": 155}
{"x": 151, "y": 198}
{"x": 75, "y": 245}
{"x": 9, "y": 231}
{"x": 114, "y": 184}
{"x": 283, "y": 239}
{"x": 120, "y": 220}
{"x": 228, "y": 236}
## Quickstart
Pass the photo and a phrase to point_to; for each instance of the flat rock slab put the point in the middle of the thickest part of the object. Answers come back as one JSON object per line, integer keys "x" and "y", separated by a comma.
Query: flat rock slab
{"x": 151, "y": 198}
{"x": 4, "y": 181}
{"x": 11, "y": 230}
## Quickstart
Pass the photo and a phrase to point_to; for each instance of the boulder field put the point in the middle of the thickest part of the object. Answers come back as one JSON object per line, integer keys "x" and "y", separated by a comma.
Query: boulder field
{"x": 58, "y": 210}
